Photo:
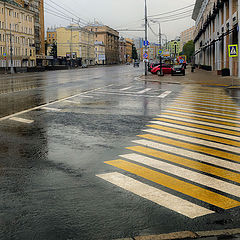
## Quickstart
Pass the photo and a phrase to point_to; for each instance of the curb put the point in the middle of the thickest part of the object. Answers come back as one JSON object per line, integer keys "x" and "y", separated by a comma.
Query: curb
{"x": 187, "y": 234}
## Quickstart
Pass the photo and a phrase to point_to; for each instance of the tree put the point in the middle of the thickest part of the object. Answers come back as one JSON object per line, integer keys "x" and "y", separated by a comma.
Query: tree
{"x": 189, "y": 49}
{"x": 53, "y": 51}
{"x": 134, "y": 53}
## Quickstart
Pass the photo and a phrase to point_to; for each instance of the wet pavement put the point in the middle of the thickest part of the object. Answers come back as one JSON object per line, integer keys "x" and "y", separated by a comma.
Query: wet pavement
{"x": 76, "y": 164}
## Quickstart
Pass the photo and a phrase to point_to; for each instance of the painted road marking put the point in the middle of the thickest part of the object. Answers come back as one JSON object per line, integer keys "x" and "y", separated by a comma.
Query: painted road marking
{"x": 22, "y": 120}
{"x": 186, "y": 174}
{"x": 186, "y": 153}
{"x": 155, "y": 195}
{"x": 70, "y": 101}
{"x": 206, "y": 113}
{"x": 200, "y": 115}
{"x": 222, "y": 122}
{"x": 221, "y": 130}
{"x": 200, "y": 122}
{"x": 212, "y": 139}
{"x": 144, "y": 90}
{"x": 209, "y": 105}
{"x": 125, "y": 94}
{"x": 195, "y": 140}
{"x": 126, "y": 88}
{"x": 51, "y": 109}
{"x": 207, "y": 95}
{"x": 163, "y": 95}
{"x": 199, "y": 166}
{"x": 220, "y": 103}
{"x": 192, "y": 129}
{"x": 193, "y": 147}
{"x": 176, "y": 184}
{"x": 218, "y": 100}
{"x": 47, "y": 104}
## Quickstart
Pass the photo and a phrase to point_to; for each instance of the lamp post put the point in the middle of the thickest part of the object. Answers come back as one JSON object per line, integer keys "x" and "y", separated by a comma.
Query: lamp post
{"x": 146, "y": 36}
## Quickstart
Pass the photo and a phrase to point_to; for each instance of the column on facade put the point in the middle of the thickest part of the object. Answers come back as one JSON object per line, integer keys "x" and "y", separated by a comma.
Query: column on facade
{"x": 224, "y": 38}
{"x": 230, "y": 36}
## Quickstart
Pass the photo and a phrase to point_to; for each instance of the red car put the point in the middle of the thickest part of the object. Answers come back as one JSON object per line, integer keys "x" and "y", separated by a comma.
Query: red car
{"x": 166, "y": 69}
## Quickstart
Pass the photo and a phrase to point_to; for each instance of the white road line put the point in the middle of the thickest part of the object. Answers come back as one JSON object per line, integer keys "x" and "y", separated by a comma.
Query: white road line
{"x": 190, "y": 154}
{"x": 163, "y": 95}
{"x": 204, "y": 104}
{"x": 191, "y": 129}
{"x": 155, "y": 195}
{"x": 144, "y": 90}
{"x": 203, "y": 111}
{"x": 194, "y": 140}
{"x": 51, "y": 109}
{"x": 186, "y": 174}
{"x": 200, "y": 122}
{"x": 126, "y": 88}
{"x": 126, "y": 94}
{"x": 70, "y": 101}
{"x": 22, "y": 120}
{"x": 47, "y": 104}
{"x": 202, "y": 116}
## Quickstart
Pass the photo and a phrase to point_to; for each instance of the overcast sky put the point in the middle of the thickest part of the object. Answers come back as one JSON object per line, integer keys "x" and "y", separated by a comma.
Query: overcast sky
{"x": 122, "y": 14}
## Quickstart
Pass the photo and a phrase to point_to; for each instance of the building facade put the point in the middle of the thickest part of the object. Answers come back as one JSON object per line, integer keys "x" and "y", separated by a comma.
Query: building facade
{"x": 16, "y": 36}
{"x": 122, "y": 51}
{"x": 51, "y": 35}
{"x": 129, "y": 47}
{"x": 77, "y": 43}
{"x": 37, "y": 7}
{"x": 109, "y": 37}
{"x": 217, "y": 24}
{"x": 174, "y": 47}
{"x": 186, "y": 36}
{"x": 100, "y": 53}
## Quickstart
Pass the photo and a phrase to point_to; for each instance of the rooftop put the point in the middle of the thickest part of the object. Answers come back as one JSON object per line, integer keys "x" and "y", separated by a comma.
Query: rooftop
{"x": 197, "y": 7}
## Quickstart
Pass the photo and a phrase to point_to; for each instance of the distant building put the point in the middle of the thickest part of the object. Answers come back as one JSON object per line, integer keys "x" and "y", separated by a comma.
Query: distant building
{"x": 51, "y": 35}
{"x": 129, "y": 47}
{"x": 186, "y": 36}
{"x": 122, "y": 51}
{"x": 152, "y": 52}
{"x": 16, "y": 35}
{"x": 109, "y": 37}
{"x": 217, "y": 27}
{"x": 76, "y": 43}
{"x": 100, "y": 53}
{"x": 174, "y": 47}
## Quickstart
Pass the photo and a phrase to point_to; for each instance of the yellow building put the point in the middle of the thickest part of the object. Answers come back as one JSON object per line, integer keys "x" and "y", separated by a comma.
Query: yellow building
{"x": 16, "y": 36}
{"x": 109, "y": 37}
{"x": 51, "y": 36}
{"x": 76, "y": 43}
{"x": 129, "y": 45}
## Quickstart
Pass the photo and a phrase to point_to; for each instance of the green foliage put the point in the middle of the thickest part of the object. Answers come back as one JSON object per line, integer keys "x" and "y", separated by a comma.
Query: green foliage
{"x": 134, "y": 53}
{"x": 53, "y": 51}
{"x": 189, "y": 49}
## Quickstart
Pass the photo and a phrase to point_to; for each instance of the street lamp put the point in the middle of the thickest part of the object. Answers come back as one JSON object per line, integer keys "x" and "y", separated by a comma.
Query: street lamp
{"x": 146, "y": 35}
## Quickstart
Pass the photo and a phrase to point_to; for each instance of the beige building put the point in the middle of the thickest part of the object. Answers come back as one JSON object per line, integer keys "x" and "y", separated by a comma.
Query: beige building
{"x": 100, "y": 56}
{"x": 129, "y": 46}
{"x": 122, "y": 50}
{"x": 186, "y": 36}
{"x": 16, "y": 36}
{"x": 217, "y": 26}
{"x": 109, "y": 37}
{"x": 51, "y": 36}
{"x": 76, "y": 42}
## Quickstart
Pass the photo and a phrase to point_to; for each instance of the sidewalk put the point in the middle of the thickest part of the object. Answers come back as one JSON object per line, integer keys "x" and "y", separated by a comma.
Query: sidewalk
{"x": 198, "y": 77}
{"x": 230, "y": 234}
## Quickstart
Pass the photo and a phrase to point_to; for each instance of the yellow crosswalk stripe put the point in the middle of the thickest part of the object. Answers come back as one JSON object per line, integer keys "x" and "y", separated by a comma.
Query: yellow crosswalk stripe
{"x": 183, "y": 99}
{"x": 201, "y": 119}
{"x": 176, "y": 184}
{"x": 208, "y": 98}
{"x": 203, "y": 114}
{"x": 200, "y": 126}
{"x": 226, "y": 174}
{"x": 193, "y": 147}
{"x": 207, "y": 95}
{"x": 206, "y": 109}
{"x": 197, "y": 135}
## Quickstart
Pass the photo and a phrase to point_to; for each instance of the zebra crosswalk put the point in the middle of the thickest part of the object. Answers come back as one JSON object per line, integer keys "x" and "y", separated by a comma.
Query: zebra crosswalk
{"x": 188, "y": 157}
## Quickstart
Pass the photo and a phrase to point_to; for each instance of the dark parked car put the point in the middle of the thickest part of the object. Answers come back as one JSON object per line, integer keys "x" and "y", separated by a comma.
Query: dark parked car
{"x": 178, "y": 69}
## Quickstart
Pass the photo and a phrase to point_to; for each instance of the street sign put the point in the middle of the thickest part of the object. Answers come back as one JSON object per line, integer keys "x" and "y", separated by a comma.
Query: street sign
{"x": 233, "y": 50}
{"x": 145, "y": 55}
{"x": 160, "y": 51}
{"x": 181, "y": 60}
{"x": 4, "y": 54}
{"x": 145, "y": 43}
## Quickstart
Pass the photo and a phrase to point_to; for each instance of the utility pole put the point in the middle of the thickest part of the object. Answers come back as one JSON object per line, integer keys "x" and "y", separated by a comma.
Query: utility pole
{"x": 146, "y": 21}
{"x": 71, "y": 49}
{"x": 160, "y": 47}
{"x": 11, "y": 50}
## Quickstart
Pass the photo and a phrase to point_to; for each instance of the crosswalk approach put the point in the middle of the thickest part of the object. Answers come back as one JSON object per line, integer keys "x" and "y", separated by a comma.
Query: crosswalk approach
{"x": 187, "y": 159}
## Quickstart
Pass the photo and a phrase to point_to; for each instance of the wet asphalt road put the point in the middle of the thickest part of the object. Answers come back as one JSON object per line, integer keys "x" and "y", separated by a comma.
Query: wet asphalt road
{"x": 49, "y": 188}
